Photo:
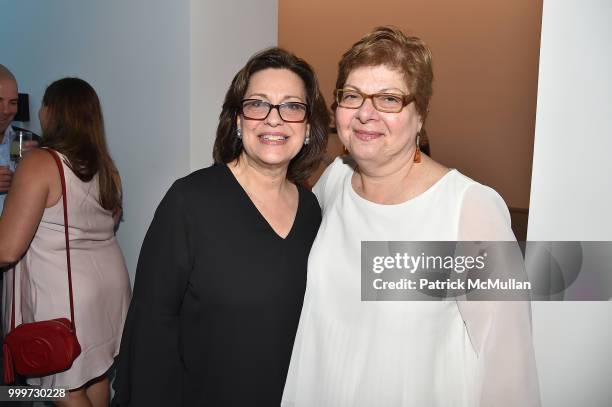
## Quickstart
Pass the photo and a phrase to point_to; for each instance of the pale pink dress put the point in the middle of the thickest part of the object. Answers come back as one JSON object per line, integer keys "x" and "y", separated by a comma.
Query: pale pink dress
{"x": 100, "y": 281}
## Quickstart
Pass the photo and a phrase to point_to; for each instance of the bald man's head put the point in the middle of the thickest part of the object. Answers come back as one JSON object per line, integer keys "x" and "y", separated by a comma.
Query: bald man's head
{"x": 8, "y": 99}
{"x": 6, "y": 74}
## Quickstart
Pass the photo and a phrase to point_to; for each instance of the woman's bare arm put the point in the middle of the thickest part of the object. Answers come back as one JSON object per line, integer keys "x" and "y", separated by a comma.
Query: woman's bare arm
{"x": 36, "y": 185}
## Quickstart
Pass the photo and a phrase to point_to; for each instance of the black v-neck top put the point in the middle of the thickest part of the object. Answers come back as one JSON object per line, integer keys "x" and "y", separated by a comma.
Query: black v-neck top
{"x": 217, "y": 299}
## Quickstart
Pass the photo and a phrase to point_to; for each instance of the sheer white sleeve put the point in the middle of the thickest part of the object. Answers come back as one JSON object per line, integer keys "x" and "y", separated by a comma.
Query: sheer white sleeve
{"x": 484, "y": 216}
{"x": 500, "y": 331}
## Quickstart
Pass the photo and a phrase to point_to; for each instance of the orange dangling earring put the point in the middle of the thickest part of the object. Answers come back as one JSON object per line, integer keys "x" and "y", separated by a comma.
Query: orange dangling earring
{"x": 417, "y": 154}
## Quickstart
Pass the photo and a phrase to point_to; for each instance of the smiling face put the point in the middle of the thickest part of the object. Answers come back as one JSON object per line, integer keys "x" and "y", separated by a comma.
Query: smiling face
{"x": 376, "y": 139}
{"x": 273, "y": 142}
{"x": 8, "y": 103}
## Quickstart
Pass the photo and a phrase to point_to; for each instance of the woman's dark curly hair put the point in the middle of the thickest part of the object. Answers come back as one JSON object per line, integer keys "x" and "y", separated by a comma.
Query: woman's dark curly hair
{"x": 228, "y": 147}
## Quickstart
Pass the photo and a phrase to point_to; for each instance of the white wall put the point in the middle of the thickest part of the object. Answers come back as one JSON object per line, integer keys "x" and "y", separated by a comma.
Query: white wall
{"x": 161, "y": 69}
{"x": 571, "y": 192}
{"x": 223, "y": 35}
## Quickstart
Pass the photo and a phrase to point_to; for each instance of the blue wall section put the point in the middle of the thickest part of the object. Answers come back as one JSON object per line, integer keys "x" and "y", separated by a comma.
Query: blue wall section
{"x": 136, "y": 55}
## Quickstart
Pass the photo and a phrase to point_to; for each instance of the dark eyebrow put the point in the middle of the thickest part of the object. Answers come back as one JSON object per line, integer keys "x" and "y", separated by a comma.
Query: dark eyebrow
{"x": 261, "y": 95}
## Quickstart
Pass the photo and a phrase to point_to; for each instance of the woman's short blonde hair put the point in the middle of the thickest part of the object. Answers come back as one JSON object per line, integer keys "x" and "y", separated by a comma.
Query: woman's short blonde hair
{"x": 389, "y": 46}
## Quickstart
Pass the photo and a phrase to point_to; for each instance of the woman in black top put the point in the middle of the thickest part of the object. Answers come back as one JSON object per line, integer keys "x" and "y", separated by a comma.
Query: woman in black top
{"x": 222, "y": 270}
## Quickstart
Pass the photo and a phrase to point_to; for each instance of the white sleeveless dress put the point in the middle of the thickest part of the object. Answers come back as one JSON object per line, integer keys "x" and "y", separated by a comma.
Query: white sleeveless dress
{"x": 100, "y": 281}
{"x": 350, "y": 353}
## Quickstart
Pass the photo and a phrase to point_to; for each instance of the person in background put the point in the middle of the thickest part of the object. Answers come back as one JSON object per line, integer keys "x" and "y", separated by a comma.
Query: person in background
{"x": 222, "y": 270}
{"x": 32, "y": 235}
{"x": 8, "y": 109}
{"x": 353, "y": 353}
{"x": 9, "y": 97}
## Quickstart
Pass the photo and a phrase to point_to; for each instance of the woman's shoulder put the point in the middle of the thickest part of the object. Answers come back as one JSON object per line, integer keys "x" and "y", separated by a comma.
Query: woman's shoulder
{"x": 343, "y": 165}
{"x": 38, "y": 164}
{"x": 192, "y": 188}
{"x": 459, "y": 185}
{"x": 203, "y": 180}
{"x": 333, "y": 176}
{"x": 483, "y": 214}
{"x": 308, "y": 199}
{"x": 38, "y": 157}
{"x": 467, "y": 193}
{"x": 470, "y": 188}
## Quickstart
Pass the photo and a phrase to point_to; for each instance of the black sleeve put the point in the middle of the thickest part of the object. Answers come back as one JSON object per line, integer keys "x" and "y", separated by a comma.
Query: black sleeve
{"x": 149, "y": 368}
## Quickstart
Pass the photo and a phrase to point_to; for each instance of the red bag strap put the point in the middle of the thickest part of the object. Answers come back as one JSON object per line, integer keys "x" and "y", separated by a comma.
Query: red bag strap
{"x": 60, "y": 167}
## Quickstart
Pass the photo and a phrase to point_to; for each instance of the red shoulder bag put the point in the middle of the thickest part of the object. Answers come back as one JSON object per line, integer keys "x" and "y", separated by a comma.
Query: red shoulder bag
{"x": 44, "y": 347}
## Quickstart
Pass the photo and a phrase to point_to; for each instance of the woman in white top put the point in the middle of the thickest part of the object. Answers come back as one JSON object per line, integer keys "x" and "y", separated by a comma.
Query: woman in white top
{"x": 426, "y": 354}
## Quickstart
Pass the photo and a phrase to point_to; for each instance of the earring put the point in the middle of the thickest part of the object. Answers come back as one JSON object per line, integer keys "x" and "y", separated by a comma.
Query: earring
{"x": 239, "y": 133}
{"x": 417, "y": 154}
{"x": 307, "y": 139}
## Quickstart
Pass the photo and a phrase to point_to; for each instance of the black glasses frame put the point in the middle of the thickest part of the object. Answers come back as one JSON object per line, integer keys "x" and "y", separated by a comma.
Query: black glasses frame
{"x": 277, "y": 107}
{"x": 406, "y": 99}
